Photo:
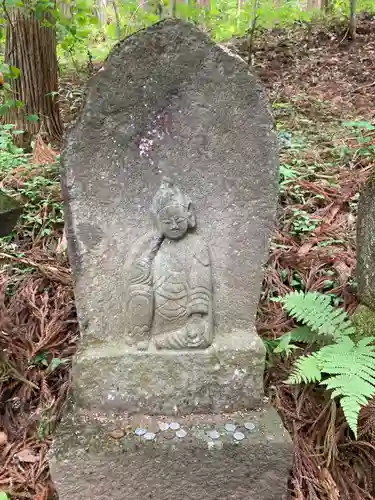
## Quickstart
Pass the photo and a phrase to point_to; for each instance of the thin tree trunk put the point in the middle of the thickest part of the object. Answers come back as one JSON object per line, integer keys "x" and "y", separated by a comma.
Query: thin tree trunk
{"x": 31, "y": 48}
{"x": 155, "y": 6}
{"x": 252, "y": 32}
{"x": 65, "y": 9}
{"x": 117, "y": 19}
{"x": 353, "y": 20}
{"x": 314, "y": 4}
{"x": 191, "y": 5}
{"x": 173, "y": 8}
{"x": 101, "y": 12}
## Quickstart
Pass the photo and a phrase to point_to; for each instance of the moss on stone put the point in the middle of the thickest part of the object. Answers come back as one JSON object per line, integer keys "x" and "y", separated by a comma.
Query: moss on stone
{"x": 364, "y": 321}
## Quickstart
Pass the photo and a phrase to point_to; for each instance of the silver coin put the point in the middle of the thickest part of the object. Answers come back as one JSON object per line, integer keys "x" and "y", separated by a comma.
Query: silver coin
{"x": 239, "y": 436}
{"x": 230, "y": 427}
{"x": 249, "y": 426}
{"x": 163, "y": 426}
{"x": 140, "y": 432}
{"x": 213, "y": 434}
{"x": 181, "y": 433}
{"x": 149, "y": 436}
{"x": 174, "y": 426}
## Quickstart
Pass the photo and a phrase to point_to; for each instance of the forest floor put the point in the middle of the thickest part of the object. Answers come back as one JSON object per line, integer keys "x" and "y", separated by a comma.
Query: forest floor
{"x": 314, "y": 85}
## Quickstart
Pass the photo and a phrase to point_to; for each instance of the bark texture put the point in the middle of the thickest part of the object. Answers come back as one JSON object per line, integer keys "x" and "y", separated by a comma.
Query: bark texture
{"x": 31, "y": 47}
{"x": 353, "y": 20}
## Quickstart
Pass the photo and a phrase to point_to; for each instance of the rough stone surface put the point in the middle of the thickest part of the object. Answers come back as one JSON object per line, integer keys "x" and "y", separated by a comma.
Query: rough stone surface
{"x": 10, "y": 211}
{"x": 170, "y": 185}
{"x": 87, "y": 464}
{"x": 191, "y": 113}
{"x": 225, "y": 377}
{"x": 366, "y": 244}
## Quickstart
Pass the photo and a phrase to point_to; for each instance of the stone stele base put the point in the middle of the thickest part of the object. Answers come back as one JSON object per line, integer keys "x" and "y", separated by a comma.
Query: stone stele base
{"x": 244, "y": 456}
{"x": 226, "y": 377}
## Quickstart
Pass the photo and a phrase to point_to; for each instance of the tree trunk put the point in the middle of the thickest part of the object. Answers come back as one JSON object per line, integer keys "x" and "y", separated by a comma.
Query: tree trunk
{"x": 118, "y": 20}
{"x": 314, "y": 4}
{"x": 353, "y": 20}
{"x": 101, "y": 13}
{"x": 65, "y": 9}
{"x": 206, "y": 4}
{"x": 31, "y": 47}
{"x": 252, "y": 33}
{"x": 327, "y": 6}
{"x": 173, "y": 8}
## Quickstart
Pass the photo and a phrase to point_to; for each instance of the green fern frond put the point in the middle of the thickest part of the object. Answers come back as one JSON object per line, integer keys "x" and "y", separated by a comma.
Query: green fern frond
{"x": 303, "y": 334}
{"x": 306, "y": 370}
{"x": 306, "y": 335}
{"x": 345, "y": 367}
{"x": 315, "y": 310}
{"x": 351, "y": 370}
{"x": 351, "y": 406}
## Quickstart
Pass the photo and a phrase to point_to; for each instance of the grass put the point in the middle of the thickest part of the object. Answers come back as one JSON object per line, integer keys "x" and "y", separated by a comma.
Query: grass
{"x": 36, "y": 187}
{"x": 223, "y": 21}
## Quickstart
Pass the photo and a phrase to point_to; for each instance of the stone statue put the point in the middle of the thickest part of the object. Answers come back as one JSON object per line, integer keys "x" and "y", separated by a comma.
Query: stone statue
{"x": 169, "y": 298}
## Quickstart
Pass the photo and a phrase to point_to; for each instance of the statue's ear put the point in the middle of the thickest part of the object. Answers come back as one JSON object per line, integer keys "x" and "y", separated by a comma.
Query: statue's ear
{"x": 191, "y": 215}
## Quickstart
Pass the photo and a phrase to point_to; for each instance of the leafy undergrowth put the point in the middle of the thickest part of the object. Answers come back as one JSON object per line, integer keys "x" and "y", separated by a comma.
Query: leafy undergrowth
{"x": 324, "y": 164}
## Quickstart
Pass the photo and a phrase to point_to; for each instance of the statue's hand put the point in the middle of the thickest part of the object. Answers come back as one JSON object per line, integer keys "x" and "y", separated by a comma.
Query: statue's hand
{"x": 195, "y": 332}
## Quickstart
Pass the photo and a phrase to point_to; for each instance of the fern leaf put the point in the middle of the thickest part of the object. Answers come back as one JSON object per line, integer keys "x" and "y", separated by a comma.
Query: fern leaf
{"x": 351, "y": 408}
{"x": 298, "y": 334}
{"x": 302, "y": 334}
{"x": 305, "y": 335}
{"x": 305, "y": 370}
{"x": 284, "y": 345}
{"x": 351, "y": 367}
{"x": 315, "y": 310}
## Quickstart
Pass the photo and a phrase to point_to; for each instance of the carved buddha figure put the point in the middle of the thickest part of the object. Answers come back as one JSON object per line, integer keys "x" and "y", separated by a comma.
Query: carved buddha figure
{"x": 169, "y": 302}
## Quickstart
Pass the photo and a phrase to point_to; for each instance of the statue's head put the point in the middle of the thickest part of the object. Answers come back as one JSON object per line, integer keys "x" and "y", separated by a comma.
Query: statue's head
{"x": 173, "y": 210}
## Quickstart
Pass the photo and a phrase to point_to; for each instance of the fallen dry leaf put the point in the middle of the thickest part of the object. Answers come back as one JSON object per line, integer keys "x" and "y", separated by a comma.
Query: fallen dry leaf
{"x": 117, "y": 434}
{"x": 3, "y": 438}
{"x": 28, "y": 456}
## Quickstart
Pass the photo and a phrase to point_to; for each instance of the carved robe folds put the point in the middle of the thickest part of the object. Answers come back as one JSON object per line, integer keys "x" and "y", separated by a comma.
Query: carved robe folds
{"x": 169, "y": 301}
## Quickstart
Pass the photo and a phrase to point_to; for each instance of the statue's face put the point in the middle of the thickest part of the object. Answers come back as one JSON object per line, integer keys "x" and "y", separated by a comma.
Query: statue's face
{"x": 173, "y": 221}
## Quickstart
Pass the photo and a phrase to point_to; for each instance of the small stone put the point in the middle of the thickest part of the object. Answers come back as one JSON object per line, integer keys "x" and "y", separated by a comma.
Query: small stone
{"x": 211, "y": 445}
{"x": 117, "y": 434}
{"x": 140, "y": 432}
{"x": 163, "y": 426}
{"x": 213, "y": 434}
{"x": 218, "y": 444}
{"x": 169, "y": 434}
{"x": 149, "y": 436}
{"x": 181, "y": 433}
{"x": 230, "y": 427}
{"x": 249, "y": 426}
{"x": 174, "y": 426}
{"x": 153, "y": 427}
{"x": 239, "y": 436}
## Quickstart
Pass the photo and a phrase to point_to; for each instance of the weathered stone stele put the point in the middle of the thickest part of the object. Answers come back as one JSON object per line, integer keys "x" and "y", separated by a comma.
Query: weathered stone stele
{"x": 10, "y": 211}
{"x": 366, "y": 244}
{"x": 170, "y": 182}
